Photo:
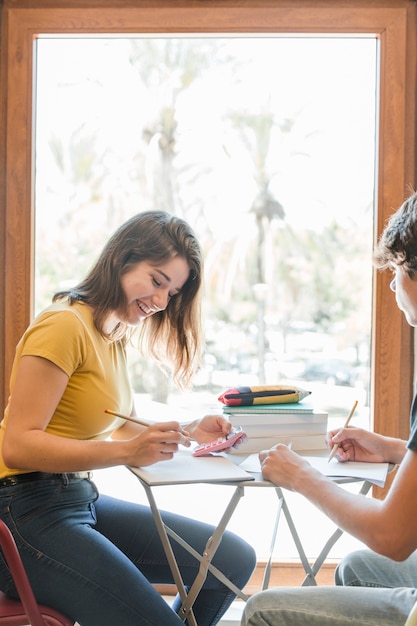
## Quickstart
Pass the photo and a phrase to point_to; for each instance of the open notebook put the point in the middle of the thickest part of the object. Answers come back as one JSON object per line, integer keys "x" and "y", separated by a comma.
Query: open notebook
{"x": 373, "y": 472}
{"x": 185, "y": 468}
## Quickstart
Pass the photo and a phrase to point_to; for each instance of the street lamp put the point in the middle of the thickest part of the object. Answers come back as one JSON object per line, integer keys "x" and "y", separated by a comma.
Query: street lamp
{"x": 260, "y": 291}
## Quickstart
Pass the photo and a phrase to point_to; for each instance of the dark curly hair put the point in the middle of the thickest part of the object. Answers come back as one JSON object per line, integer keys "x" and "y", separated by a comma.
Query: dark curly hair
{"x": 397, "y": 244}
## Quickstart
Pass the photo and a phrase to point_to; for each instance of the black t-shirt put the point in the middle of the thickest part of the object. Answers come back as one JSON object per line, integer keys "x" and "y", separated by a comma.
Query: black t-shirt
{"x": 412, "y": 442}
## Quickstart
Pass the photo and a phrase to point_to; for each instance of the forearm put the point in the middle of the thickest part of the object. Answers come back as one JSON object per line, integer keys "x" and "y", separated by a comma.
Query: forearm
{"x": 395, "y": 450}
{"x": 41, "y": 451}
{"x": 36, "y": 449}
{"x": 353, "y": 513}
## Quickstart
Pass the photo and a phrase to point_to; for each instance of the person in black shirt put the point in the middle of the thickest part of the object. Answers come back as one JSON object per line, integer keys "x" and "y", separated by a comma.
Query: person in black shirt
{"x": 375, "y": 586}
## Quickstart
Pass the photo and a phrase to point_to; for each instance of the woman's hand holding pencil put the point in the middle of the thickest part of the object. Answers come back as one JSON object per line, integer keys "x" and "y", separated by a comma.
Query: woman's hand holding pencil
{"x": 202, "y": 430}
{"x": 136, "y": 420}
{"x": 156, "y": 442}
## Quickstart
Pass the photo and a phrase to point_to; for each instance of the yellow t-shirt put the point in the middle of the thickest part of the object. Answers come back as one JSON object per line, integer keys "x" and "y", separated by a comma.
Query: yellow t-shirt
{"x": 97, "y": 371}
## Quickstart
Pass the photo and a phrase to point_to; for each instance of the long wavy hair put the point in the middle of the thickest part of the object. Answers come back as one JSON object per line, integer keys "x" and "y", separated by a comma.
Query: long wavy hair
{"x": 397, "y": 244}
{"x": 172, "y": 337}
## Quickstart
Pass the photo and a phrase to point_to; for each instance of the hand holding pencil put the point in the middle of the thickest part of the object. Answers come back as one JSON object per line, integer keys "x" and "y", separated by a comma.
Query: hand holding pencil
{"x": 336, "y": 445}
{"x": 136, "y": 420}
{"x": 202, "y": 430}
{"x": 157, "y": 442}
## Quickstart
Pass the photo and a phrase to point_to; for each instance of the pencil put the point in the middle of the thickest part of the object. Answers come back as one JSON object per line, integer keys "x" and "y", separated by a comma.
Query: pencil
{"x": 336, "y": 445}
{"x": 127, "y": 417}
{"x": 138, "y": 421}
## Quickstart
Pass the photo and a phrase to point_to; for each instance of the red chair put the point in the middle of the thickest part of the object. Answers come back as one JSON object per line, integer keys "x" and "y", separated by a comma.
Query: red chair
{"x": 26, "y": 611}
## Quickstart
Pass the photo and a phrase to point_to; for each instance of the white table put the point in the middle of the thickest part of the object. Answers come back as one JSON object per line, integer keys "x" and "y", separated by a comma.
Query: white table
{"x": 161, "y": 475}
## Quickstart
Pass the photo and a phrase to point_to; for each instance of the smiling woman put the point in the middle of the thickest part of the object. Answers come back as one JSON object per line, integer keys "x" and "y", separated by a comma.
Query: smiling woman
{"x": 70, "y": 366}
{"x": 155, "y": 284}
{"x": 152, "y": 255}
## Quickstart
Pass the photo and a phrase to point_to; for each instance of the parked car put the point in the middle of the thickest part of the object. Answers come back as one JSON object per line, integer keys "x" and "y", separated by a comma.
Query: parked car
{"x": 329, "y": 370}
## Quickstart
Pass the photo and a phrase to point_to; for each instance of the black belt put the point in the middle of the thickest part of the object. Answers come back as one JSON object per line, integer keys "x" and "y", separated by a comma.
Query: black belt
{"x": 17, "y": 479}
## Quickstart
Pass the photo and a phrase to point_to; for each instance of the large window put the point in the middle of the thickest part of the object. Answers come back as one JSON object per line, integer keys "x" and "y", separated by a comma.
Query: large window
{"x": 273, "y": 165}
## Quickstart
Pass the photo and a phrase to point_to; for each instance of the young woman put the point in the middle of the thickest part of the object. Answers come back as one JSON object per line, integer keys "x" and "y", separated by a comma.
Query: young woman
{"x": 376, "y": 587}
{"x": 88, "y": 555}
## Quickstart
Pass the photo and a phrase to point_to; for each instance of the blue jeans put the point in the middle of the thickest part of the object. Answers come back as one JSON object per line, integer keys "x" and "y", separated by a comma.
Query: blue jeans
{"x": 94, "y": 557}
{"x": 371, "y": 591}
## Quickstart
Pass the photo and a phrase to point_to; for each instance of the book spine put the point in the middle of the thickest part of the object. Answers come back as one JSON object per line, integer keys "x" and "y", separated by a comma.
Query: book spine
{"x": 278, "y": 430}
{"x": 298, "y": 444}
{"x": 243, "y": 419}
{"x": 271, "y": 408}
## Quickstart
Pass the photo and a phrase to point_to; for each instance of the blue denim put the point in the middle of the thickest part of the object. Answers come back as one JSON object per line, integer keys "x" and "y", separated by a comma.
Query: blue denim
{"x": 366, "y": 568}
{"x": 94, "y": 557}
{"x": 371, "y": 591}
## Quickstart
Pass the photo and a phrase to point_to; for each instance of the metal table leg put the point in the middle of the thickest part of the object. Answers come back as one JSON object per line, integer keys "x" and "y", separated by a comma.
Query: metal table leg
{"x": 188, "y": 599}
{"x": 310, "y": 579}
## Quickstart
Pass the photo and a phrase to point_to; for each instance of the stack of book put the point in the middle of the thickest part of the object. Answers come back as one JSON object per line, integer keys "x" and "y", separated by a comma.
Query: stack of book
{"x": 298, "y": 424}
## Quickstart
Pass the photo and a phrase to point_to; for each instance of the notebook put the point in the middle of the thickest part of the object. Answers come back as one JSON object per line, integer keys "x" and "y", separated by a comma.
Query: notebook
{"x": 184, "y": 468}
{"x": 375, "y": 473}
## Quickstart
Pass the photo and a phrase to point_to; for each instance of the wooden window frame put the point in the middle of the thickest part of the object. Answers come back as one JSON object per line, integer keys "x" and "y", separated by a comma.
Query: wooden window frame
{"x": 392, "y": 21}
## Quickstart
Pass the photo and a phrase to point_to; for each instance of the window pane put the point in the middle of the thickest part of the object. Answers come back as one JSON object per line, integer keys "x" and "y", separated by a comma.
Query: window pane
{"x": 266, "y": 145}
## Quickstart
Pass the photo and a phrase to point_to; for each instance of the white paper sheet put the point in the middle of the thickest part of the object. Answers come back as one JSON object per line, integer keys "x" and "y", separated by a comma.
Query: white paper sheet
{"x": 185, "y": 468}
{"x": 375, "y": 473}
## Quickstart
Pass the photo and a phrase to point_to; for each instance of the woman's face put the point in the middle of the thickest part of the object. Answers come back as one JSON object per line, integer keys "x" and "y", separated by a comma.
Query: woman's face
{"x": 149, "y": 288}
{"x": 405, "y": 289}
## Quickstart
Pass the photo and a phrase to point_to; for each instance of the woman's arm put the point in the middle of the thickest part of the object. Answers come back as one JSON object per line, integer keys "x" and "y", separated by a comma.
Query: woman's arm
{"x": 37, "y": 390}
{"x": 386, "y": 526}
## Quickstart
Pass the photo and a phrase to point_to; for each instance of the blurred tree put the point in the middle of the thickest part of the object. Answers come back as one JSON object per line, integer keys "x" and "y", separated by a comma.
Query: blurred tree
{"x": 313, "y": 275}
{"x": 167, "y": 67}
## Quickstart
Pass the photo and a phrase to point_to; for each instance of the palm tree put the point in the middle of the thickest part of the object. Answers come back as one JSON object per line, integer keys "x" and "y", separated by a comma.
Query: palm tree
{"x": 167, "y": 67}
